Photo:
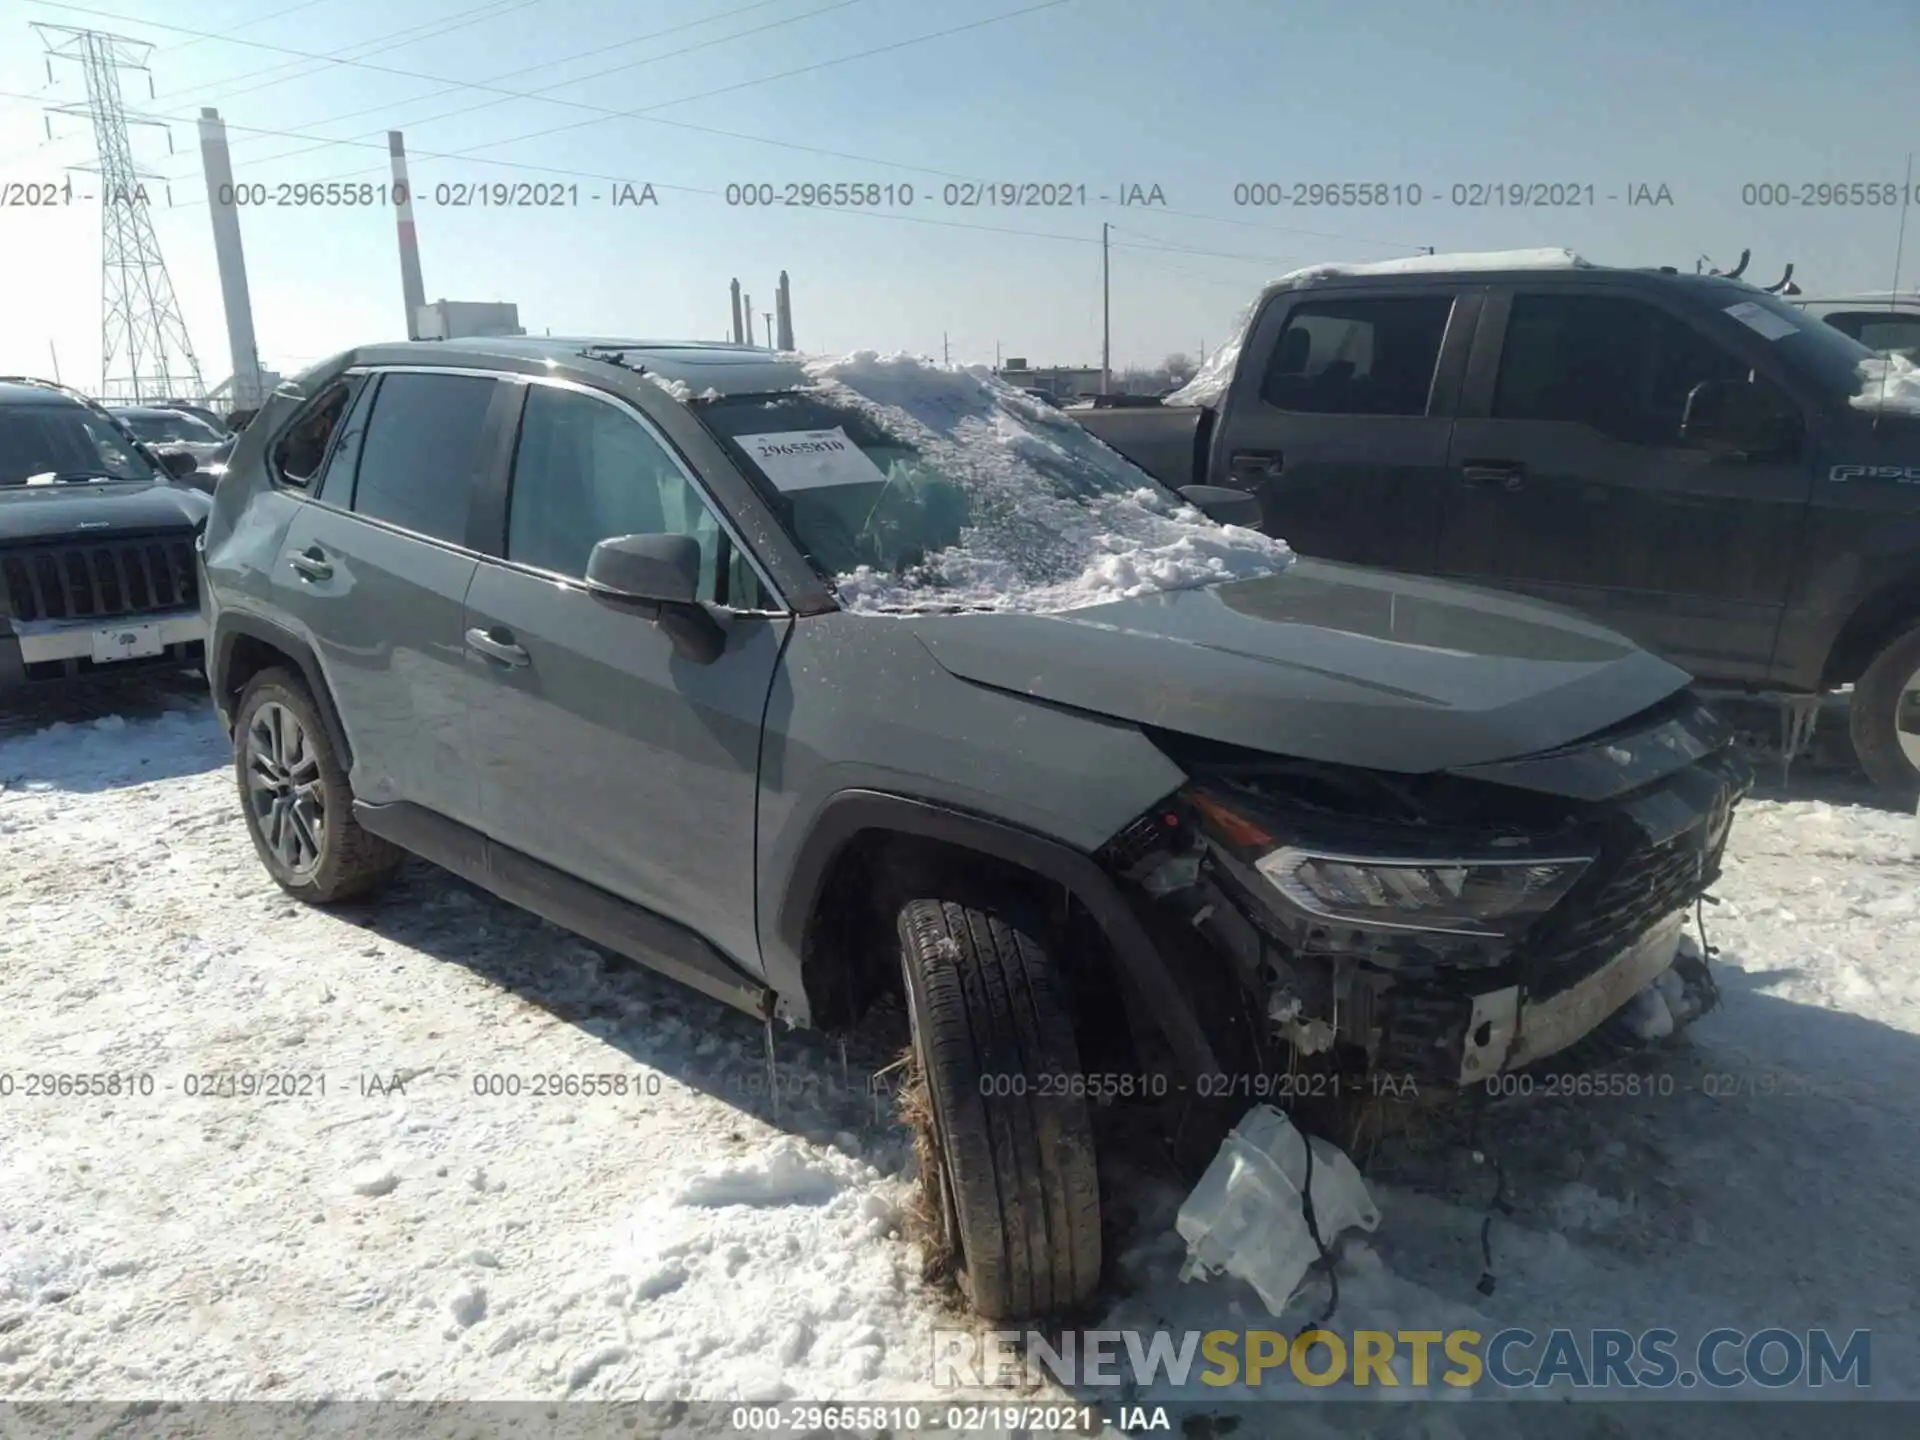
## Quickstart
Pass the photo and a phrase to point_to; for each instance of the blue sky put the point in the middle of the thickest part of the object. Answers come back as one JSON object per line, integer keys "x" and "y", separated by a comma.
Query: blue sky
{"x": 1699, "y": 96}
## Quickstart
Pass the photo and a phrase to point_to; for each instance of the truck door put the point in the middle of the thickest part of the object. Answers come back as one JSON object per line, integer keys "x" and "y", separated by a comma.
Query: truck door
{"x": 1339, "y": 417}
{"x": 1571, "y": 482}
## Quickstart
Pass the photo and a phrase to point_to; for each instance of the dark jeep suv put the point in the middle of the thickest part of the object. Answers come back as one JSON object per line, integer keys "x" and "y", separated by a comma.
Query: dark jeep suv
{"x": 812, "y": 682}
{"x": 97, "y": 570}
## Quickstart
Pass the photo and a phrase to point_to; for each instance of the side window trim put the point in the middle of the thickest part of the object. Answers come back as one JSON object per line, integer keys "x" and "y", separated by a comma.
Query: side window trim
{"x": 500, "y": 506}
{"x": 360, "y": 408}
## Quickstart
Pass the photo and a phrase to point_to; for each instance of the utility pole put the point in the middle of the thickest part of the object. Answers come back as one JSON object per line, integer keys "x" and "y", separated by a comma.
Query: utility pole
{"x": 56, "y": 361}
{"x": 142, "y": 334}
{"x": 767, "y": 315}
{"x": 946, "y": 351}
{"x": 1106, "y": 312}
{"x": 996, "y": 357}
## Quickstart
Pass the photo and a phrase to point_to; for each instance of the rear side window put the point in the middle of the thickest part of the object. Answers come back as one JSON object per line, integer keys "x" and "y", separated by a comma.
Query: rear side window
{"x": 1358, "y": 357}
{"x": 420, "y": 459}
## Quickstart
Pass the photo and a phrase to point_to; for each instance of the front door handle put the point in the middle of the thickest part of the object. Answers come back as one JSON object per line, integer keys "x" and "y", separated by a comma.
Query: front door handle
{"x": 312, "y": 564}
{"x": 1485, "y": 472}
{"x": 1250, "y": 467}
{"x": 494, "y": 648}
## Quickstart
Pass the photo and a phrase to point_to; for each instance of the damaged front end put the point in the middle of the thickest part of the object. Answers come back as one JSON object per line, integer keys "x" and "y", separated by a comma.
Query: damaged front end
{"x": 1442, "y": 929}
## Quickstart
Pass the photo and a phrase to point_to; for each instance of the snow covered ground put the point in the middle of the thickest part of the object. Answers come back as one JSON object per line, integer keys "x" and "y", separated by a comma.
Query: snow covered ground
{"x": 407, "y": 1233}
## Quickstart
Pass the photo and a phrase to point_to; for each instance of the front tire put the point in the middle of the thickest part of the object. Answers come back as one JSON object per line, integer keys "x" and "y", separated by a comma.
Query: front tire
{"x": 1007, "y": 1145}
{"x": 296, "y": 798}
{"x": 1885, "y": 716}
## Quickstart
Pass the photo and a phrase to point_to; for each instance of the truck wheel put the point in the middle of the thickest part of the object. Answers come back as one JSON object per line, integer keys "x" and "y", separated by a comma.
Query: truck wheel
{"x": 296, "y": 799}
{"x": 1006, "y": 1146}
{"x": 1885, "y": 716}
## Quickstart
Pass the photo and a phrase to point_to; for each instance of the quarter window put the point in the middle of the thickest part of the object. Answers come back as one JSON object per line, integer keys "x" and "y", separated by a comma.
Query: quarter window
{"x": 421, "y": 457}
{"x": 1358, "y": 357}
{"x": 585, "y": 471}
{"x": 299, "y": 454}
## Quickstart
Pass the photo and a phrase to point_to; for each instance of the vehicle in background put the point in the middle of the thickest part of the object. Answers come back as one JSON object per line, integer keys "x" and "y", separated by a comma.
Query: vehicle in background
{"x": 1888, "y": 322}
{"x": 97, "y": 567}
{"x": 1688, "y": 459}
{"x": 163, "y": 429}
{"x": 817, "y": 683}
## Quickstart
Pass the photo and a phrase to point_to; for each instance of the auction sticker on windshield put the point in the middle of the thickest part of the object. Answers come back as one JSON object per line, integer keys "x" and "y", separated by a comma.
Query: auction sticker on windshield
{"x": 811, "y": 459}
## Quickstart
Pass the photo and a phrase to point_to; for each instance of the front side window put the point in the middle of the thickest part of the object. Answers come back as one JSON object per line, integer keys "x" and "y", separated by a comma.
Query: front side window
{"x": 1616, "y": 365}
{"x": 1358, "y": 357}
{"x": 420, "y": 460}
{"x": 44, "y": 443}
{"x": 585, "y": 471}
{"x": 912, "y": 487}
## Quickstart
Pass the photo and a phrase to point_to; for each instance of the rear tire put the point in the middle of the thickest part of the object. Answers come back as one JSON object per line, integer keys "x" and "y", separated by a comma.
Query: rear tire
{"x": 1007, "y": 1147}
{"x": 1885, "y": 717}
{"x": 296, "y": 798}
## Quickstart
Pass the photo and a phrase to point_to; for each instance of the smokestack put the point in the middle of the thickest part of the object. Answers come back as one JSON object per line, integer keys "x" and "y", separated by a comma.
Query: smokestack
{"x": 411, "y": 286}
{"x": 734, "y": 289}
{"x": 746, "y": 310}
{"x": 218, "y": 164}
{"x": 783, "y": 308}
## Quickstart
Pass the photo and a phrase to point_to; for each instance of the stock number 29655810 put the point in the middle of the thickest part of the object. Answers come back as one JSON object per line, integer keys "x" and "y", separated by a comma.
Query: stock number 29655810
{"x": 1076, "y": 1085}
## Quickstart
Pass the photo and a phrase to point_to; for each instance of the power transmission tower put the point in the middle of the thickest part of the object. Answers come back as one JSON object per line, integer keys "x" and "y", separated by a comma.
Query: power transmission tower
{"x": 145, "y": 353}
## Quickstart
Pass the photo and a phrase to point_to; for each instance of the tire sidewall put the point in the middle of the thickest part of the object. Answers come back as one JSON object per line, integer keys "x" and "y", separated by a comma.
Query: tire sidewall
{"x": 1874, "y": 718}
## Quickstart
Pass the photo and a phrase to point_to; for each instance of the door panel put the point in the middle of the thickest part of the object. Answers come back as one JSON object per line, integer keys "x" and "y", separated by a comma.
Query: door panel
{"x": 1339, "y": 420}
{"x": 605, "y": 754}
{"x": 1569, "y": 481}
{"x": 385, "y": 611}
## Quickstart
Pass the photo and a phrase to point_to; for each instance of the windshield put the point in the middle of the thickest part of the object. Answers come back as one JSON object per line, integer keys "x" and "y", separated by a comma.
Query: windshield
{"x": 170, "y": 427}
{"x": 44, "y": 443}
{"x": 914, "y": 487}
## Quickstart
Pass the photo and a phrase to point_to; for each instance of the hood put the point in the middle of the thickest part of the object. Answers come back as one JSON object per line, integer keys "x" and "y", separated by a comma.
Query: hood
{"x": 1326, "y": 662}
{"x": 93, "y": 509}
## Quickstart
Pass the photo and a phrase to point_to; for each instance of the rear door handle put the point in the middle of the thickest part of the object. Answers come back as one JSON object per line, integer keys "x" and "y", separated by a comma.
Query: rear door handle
{"x": 1252, "y": 466}
{"x": 494, "y": 648}
{"x": 312, "y": 563}
{"x": 1485, "y": 472}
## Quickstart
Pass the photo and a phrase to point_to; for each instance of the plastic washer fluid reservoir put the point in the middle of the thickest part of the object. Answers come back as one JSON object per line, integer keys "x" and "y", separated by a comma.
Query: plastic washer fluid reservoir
{"x": 1246, "y": 1216}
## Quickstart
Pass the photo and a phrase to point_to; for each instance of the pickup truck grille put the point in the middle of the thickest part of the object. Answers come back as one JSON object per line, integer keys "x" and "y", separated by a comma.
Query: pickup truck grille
{"x": 103, "y": 580}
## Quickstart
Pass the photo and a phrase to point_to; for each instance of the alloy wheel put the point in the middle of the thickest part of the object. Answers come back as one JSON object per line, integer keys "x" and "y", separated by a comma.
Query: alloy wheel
{"x": 284, "y": 789}
{"x": 1906, "y": 720}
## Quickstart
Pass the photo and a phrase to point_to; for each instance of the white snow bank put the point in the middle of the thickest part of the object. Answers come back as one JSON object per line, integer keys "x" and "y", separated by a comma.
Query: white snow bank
{"x": 783, "y": 1174}
{"x": 1889, "y": 383}
{"x": 1216, "y": 373}
{"x": 1059, "y": 521}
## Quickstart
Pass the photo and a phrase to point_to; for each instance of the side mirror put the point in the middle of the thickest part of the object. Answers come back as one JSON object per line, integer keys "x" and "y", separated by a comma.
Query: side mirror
{"x": 662, "y": 571}
{"x": 1734, "y": 417}
{"x": 178, "y": 463}
{"x": 1228, "y": 507}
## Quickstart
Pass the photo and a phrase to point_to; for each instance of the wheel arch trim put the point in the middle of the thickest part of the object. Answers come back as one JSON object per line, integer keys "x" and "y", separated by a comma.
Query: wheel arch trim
{"x": 850, "y": 813}
{"x": 230, "y": 627}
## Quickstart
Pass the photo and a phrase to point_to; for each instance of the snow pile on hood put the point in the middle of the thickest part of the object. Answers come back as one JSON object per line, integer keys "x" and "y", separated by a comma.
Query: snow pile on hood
{"x": 1057, "y": 521}
{"x": 1889, "y": 383}
{"x": 1217, "y": 372}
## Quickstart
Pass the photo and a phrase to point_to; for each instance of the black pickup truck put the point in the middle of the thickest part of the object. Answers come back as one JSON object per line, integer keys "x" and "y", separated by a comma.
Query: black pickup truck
{"x": 1684, "y": 457}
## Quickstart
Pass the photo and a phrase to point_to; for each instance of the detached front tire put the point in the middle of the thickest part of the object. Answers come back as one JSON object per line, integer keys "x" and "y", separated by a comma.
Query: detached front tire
{"x": 1007, "y": 1153}
{"x": 1885, "y": 716}
{"x": 296, "y": 798}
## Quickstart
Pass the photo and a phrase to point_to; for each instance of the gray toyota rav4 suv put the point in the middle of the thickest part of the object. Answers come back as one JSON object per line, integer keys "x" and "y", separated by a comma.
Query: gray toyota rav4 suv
{"x": 812, "y": 683}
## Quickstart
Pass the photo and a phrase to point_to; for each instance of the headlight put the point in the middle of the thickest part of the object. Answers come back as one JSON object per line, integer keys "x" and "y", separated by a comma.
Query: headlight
{"x": 1477, "y": 896}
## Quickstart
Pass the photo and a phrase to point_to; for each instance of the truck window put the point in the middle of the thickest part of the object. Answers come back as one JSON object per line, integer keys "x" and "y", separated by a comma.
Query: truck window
{"x": 1881, "y": 330}
{"x": 1358, "y": 357}
{"x": 1623, "y": 367}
